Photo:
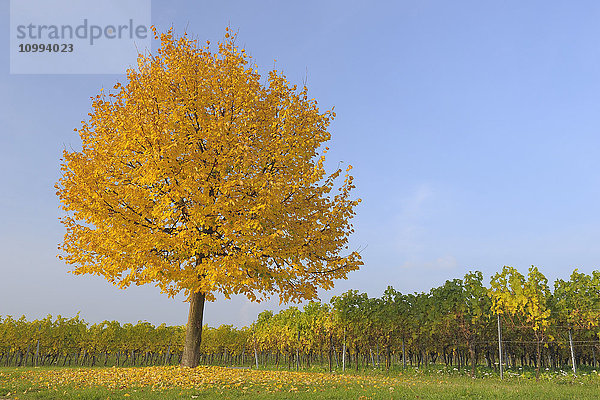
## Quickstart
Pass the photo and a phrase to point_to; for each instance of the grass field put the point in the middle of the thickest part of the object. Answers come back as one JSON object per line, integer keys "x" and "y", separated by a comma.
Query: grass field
{"x": 228, "y": 383}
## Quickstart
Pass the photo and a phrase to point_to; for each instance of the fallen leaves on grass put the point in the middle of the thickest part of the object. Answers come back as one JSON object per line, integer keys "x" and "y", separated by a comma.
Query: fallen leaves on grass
{"x": 202, "y": 378}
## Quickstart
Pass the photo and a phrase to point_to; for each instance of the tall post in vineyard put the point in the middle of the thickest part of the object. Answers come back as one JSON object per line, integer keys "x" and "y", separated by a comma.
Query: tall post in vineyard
{"x": 298, "y": 352}
{"x": 255, "y": 352}
{"x": 28, "y": 344}
{"x": 243, "y": 354}
{"x": 500, "y": 347}
{"x": 37, "y": 347}
{"x": 403, "y": 354}
{"x": 572, "y": 353}
{"x": 330, "y": 350}
{"x": 167, "y": 355}
{"x": 344, "y": 352}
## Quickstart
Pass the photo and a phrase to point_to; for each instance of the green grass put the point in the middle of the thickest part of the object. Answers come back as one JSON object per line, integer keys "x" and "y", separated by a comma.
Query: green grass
{"x": 20, "y": 383}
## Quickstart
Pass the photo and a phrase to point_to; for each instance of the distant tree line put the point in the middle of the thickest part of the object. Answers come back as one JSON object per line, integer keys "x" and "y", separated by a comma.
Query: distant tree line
{"x": 457, "y": 324}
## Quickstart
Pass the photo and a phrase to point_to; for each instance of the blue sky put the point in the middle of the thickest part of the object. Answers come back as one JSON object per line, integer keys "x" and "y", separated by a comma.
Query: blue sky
{"x": 472, "y": 128}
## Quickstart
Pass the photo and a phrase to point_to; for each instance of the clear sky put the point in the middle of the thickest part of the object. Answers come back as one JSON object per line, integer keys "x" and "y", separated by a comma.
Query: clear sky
{"x": 472, "y": 127}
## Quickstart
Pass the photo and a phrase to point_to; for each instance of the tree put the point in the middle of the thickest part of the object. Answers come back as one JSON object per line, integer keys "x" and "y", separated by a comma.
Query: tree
{"x": 198, "y": 178}
{"x": 577, "y": 302}
{"x": 349, "y": 309}
{"x": 525, "y": 300}
{"x": 476, "y": 316}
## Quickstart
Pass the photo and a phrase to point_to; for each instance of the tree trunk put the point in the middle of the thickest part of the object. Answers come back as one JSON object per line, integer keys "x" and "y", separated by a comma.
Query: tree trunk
{"x": 193, "y": 332}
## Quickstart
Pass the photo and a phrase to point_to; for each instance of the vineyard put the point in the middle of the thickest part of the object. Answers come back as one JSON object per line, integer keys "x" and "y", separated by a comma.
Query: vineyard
{"x": 456, "y": 324}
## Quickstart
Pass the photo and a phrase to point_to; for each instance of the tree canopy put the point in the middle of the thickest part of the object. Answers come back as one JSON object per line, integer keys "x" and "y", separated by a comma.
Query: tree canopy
{"x": 199, "y": 176}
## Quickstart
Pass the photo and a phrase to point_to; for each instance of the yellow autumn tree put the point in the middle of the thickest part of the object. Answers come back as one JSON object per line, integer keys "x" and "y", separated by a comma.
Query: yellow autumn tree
{"x": 525, "y": 301}
{"x": 201, "y": 177}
